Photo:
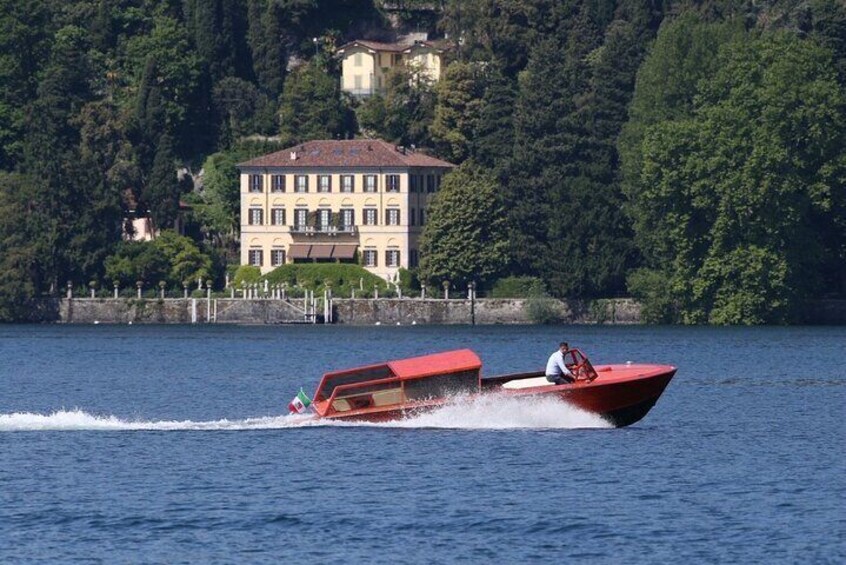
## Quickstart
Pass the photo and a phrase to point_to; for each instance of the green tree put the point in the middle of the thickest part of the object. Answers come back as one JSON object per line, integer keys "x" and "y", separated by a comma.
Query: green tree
{"x": 684, "y": 53}
{"x": 311, "y": 106}
{"x": 409, "y": 106}
{"x": 457, "y": 111}
{"x": 236, "y": 101}
{"x": 371, "y": 114}
{"x": 24, "y": 44}
{"x": 172, "y": 82}
{"x": 219, "y": 30}
{"x": 492, "y": 142}
{"x": 218, "y": 205}
{"x": 464, "y": 239}
{"x": 564, "y": 213}
{"x": 743, "y": 202}
{"x": 268, "y": 50}
{"x": 171, "y": 258}
{"x": 186, "y": 261}
{"x": 501, "y": 31}
{"x": 21, "y": 270}
{"x": 135, "y": 261}
{"x": 162, "y": 192}
{"x": 60, "y": 184}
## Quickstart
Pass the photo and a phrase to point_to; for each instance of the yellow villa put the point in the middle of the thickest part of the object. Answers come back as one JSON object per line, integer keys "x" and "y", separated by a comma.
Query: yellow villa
{"x": 364, "y": 64}
{"x": 337, "y": 201}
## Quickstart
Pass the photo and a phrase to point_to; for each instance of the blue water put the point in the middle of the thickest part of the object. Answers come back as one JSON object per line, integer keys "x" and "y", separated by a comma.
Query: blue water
{"x": 170, "y": 444}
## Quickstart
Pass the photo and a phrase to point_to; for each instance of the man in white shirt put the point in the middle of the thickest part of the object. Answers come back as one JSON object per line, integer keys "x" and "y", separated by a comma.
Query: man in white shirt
{"x": 556, "y": 370}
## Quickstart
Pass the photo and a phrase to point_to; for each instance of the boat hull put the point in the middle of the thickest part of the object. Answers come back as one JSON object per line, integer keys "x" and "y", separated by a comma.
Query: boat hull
{"x": 621, "y": 394}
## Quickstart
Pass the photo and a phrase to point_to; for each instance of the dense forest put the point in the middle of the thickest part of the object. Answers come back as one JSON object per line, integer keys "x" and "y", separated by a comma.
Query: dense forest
{"x": 691, "y": 153}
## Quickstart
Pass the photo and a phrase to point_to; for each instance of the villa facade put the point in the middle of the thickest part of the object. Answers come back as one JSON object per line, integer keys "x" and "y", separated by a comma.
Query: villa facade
{"x": 359, "y": 201}
{"x": 365, "y": 64}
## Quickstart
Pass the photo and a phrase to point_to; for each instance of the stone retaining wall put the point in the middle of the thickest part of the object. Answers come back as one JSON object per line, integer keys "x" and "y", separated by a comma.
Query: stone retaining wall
{"x": 368, "y": 311}
{"x": 483, "y": 311}
{"x": 177, "y": 311}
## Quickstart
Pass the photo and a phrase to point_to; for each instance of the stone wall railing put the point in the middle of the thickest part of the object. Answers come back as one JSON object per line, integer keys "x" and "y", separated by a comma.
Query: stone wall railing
{"x": 362, "y": 311}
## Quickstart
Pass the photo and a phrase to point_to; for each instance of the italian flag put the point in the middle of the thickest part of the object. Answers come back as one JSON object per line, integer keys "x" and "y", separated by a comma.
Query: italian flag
{"x": 300, "y": 403}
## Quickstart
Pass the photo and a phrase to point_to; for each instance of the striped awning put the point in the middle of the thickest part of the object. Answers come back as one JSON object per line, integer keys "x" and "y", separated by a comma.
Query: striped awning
{"x": 344, "y": 251}
{"x": 321, "y": 252}
{"x": 299, "y": 251}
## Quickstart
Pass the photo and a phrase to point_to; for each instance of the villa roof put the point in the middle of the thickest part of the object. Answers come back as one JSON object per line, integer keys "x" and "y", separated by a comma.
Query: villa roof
{"x": 401, "y": 47}
{"x": 346, "y": 153}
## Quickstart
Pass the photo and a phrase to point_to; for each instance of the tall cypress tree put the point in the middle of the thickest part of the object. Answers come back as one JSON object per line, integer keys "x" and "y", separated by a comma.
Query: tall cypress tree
{"x": 162, "y": 191}
{"x": 269, "y": 53}
{"x": 492, "y": 141}
{"x": 555, "y": 214}
{"x": 51, "y": 155}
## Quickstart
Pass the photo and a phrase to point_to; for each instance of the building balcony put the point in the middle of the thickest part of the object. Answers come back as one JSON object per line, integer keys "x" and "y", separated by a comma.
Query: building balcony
{"x": 331, "y": 231}
{"x": 364, "y": 92}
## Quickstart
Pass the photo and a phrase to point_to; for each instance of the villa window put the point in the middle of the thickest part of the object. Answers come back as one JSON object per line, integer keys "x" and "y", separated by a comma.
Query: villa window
{"x": 369, "y": 183}
{"x": 357, "y": 59}
{"x": 255, "y": 183}
{"x": 347, "y": 183}
{"x": 324, "y": 218}
{"x": 255, "y": 257}
{"x": 392, "y": 217}
{"x": 412, "y": 217}
{"x": 430, "y": 183}
{"x": 422, "y": 216}
{"x": 277, "y": 183}
{"x": 392, "y": 183}
{"x": 392, "y": 258}
{"x": 300, "y": 218}
{"x": 301, "y": 183}
{"x": 369, "y": 218}
{"x": 277, "y": 216}
{"x": 370, "y": 258}
{"x": 324, "y": 183}
{"x": 256, "y": 217}
{"x": 277, "y": 257}
{"x": 347, "y": 218}
{"x": 413, "y": 258}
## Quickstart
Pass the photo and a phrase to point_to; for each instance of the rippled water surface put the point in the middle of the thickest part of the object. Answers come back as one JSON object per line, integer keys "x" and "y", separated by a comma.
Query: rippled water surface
{"x": 170, "y": 444}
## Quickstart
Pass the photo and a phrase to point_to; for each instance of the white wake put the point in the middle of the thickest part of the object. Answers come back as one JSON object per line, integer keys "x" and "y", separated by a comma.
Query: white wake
{"x": 479, "y": 413}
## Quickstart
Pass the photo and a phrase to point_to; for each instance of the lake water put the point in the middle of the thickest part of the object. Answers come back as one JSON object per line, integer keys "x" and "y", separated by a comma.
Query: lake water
{"x": 170, "y": 444}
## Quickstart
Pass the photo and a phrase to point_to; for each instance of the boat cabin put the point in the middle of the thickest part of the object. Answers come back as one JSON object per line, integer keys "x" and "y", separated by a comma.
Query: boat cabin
{"x": 399, "y": 384}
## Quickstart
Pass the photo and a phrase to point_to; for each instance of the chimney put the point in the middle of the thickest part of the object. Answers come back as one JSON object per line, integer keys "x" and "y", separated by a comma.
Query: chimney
{"x": 400, "y": 149}
{"x": 293, "y": 155}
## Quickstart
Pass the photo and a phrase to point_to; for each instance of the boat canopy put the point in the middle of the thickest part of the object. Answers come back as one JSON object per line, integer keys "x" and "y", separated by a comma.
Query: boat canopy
{"x": 458, "y": 370}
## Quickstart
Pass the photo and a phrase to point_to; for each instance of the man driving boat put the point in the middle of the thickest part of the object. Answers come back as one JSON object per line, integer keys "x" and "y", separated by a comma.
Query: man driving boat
{"x": 556, "y": 370}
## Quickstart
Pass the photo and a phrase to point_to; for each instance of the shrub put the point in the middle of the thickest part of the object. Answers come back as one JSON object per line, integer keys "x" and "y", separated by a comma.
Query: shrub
{"x": 408, "y": 282}
{"x": 652, "y": 290}
{"x": 541, "y": 310}
{"x": 342, "y": 277}
{"x": 246, "y": 274}
{"x": 518, "y": 287}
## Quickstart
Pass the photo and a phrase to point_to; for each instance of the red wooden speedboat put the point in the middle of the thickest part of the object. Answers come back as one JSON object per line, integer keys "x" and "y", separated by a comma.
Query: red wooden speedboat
{"x": 622, "y": 394}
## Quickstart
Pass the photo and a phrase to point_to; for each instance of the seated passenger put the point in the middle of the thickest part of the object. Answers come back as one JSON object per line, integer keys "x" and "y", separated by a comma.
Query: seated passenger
{"x": 556, "y": 371}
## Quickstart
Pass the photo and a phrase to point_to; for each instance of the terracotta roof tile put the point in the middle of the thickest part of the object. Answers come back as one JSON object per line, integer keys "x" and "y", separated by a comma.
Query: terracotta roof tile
{"x": 345, "y": 154}
{"x": 401, "y": 47}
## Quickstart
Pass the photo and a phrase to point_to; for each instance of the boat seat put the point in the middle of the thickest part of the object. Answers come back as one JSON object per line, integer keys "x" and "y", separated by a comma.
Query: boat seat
{"x": 341, "y": 405}
{"x": 387, "y": 397}
{"x": 526, "y": 383}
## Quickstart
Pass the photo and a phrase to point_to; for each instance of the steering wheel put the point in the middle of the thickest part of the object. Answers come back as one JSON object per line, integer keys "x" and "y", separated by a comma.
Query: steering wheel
{"x": 579, "y": 371}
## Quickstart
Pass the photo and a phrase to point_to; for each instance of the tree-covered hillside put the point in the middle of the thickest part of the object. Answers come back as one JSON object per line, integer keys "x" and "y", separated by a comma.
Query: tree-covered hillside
{"x": 690, "y": 152}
